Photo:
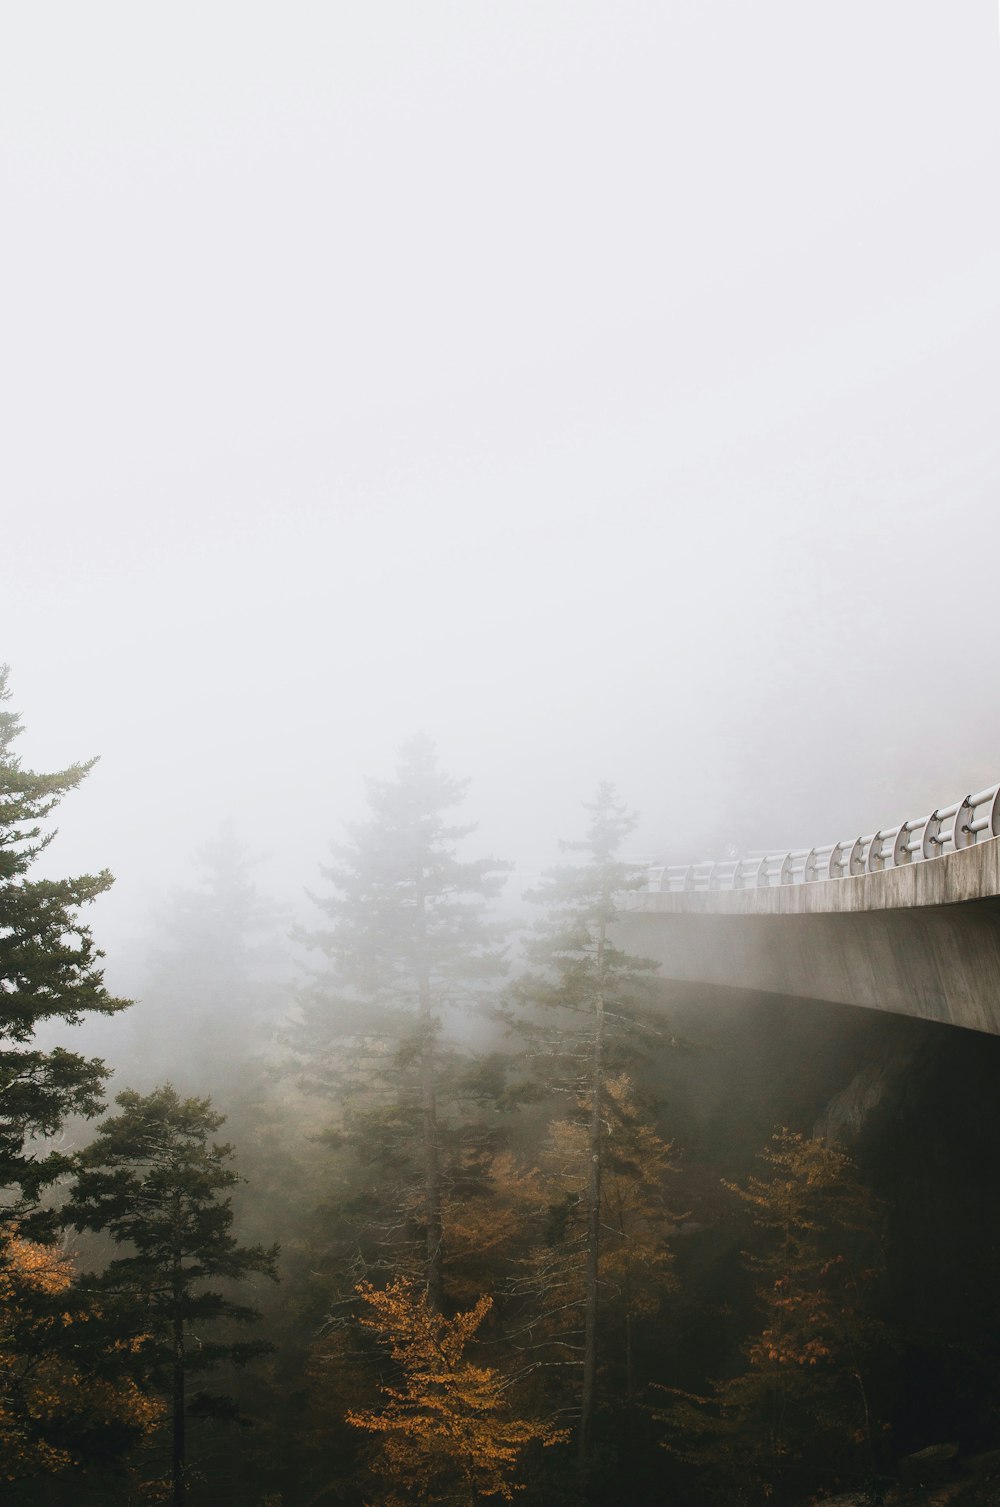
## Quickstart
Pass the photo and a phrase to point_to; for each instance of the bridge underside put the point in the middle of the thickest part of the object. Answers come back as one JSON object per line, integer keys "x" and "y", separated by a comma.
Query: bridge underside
{"x": 923, "y": 940}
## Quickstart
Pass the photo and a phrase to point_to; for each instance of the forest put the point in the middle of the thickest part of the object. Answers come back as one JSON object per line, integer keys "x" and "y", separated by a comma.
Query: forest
{"x": 424, "y": 1196}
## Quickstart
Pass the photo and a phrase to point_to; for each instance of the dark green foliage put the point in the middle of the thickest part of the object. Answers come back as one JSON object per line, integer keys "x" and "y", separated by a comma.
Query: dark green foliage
{"x": 156, "y": 1184}
{"x": 153, "y": 1181}
{"x": 49, "y": 969}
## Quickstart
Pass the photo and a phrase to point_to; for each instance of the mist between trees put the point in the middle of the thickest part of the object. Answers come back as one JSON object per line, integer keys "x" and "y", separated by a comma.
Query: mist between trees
{"x": 401, "y": 1202}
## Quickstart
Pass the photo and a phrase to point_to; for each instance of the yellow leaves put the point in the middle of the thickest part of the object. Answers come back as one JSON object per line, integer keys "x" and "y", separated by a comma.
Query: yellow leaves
{"x": 44, "y": 1394}
{"x": 482, "y": 1229}
{"x": 134, "y": 1345}
{"x": 27, "y": 1266}
{"x": 446, "y": 1426}
{"x": 815, "y": 1228}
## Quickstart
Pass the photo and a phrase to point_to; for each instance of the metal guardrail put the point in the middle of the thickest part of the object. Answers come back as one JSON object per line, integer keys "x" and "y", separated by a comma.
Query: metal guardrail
{"x": 960, "y": 825}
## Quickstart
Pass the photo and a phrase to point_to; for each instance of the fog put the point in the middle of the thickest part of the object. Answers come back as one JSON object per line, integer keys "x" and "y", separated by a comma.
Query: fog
{"x": 607, "y": 391}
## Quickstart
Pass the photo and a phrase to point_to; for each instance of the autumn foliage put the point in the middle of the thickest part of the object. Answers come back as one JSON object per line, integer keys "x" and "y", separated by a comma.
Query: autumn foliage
{"x": 65, "y": 1392}
{"x": 814, "y": 1249}
{"x": 448, "y": 1433}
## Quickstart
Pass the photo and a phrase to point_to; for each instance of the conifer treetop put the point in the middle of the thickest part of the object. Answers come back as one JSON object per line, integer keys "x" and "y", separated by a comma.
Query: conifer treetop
{"x": 49, "y": 970}
{"x": 573, "y": 946}
{"x": 27, "y": 797}
{"x": 405, "y": 906}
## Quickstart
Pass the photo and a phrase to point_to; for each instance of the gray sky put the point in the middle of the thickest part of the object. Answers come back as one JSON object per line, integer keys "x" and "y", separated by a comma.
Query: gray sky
{"x": 608, "y": 389}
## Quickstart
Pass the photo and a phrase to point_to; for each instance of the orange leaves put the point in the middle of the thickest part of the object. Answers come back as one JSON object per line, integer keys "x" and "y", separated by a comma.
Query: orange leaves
{"x": 28, "y": 1267}
{"x": 815, "y": 1229}
{"x": 788, "y": 1349}
{"x": 448, "y": 1434}
{"x": 46, "y": 1393}
{"x": 813, "y": 1219}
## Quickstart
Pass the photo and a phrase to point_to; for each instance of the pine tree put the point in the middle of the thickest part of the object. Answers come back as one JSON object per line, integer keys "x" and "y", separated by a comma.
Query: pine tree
{"x": 591, "y": 993}
{"x": 635, "y": 1268}
{"x": 49, "y": 970}
{"x": 541, "y": 1227}
{"x": 153, "y": 1180}
{"x": 408, "y": 943}
{"x": 216, "y": 978}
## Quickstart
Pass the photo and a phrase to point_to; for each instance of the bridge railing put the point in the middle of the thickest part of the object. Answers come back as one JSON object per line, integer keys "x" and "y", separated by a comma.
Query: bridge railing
{"x": 948, "y": 828}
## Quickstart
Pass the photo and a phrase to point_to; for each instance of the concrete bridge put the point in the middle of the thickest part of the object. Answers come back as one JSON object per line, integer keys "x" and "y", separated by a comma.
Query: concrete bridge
{"x": 906, "y": 919}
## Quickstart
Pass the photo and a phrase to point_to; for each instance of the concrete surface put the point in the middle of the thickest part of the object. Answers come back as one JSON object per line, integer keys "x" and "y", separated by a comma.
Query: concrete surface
{"x": 921, "y": 940}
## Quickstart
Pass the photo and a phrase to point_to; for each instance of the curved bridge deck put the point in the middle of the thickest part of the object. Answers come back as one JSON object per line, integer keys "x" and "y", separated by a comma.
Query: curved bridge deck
{"x": 921, "y": 939}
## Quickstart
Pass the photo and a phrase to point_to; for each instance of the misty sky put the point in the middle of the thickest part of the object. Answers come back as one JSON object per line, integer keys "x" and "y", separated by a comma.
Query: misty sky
{"x": 607, "y": 389}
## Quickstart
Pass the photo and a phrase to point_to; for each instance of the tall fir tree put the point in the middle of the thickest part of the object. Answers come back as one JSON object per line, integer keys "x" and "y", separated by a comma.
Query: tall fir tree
{"x": 635, "y": 1265}
{"x": 156, "y": 1183}
{"x": 408, "y": 942}
{"x": 216, "y": 981}
{"x": 583, "y": 1005}
{"x": 49, "y": 970}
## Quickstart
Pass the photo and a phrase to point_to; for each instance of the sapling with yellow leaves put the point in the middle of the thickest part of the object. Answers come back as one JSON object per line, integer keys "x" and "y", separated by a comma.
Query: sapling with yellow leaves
{"x": 448, "y": 1431}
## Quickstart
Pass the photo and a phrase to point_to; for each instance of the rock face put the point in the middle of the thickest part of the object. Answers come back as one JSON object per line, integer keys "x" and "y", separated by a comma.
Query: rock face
{"x": 848, "y": 1112}
{"x": 929, "y": 1466}
{"x": 899, "y": 1064}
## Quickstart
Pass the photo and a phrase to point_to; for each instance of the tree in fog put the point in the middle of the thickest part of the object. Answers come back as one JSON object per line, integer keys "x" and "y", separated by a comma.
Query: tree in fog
{"x": 408, "y": 942}
{"x": 49, "y": 970}
{"x": 581, "y": 1007}
{"x": 154, "y": 1181}
{"x": 215, "y": 985}
{"x": 635, "y": 1262}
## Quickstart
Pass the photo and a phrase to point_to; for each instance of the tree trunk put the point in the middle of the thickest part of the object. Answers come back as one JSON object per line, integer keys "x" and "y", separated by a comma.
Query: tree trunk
{"x": 595, "y": 1147}
{"x": 179, "y": 1483}
{"x": 432, "y": 1187}
{"x": 630, "y": 1387}
{"x": 434, "y": 1274}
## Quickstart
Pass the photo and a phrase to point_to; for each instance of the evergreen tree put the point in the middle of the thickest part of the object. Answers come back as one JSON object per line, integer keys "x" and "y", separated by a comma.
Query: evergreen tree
{"x": 409, "y": 943}
{"x": 49, "y": 970}
{"x": 216, "y": 980}
{"x": 584, "y": 1009}
{"x": 635, "y": 1267}
{"x": 153, "y": 1181}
